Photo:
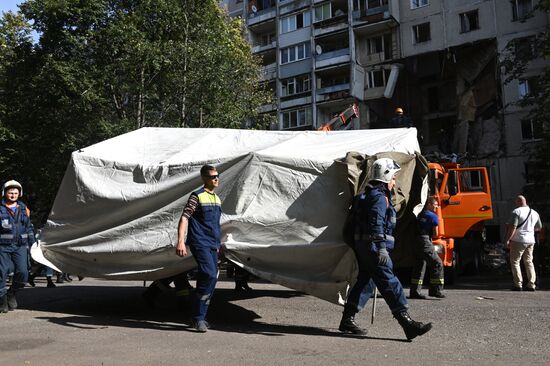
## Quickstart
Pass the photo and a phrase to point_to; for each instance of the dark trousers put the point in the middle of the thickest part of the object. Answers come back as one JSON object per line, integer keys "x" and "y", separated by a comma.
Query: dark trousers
{"x": 13, "y": 257}
{"x": 371, "y": 273}
{"x": 425, "y": 255}
{"x": 207, "y": 276}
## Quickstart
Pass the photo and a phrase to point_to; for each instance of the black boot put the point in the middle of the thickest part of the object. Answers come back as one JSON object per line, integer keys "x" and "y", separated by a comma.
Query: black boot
{"x": 412, "y": 328}
{"x": 12, "y": 301}
{"x": 242, "y": 286}
{"x": 435, "y": 291}
{"x": 348, "y": 325}
{"x": 152, "y": 292}
{"x": 50, "y": 283}
{"x": 31, "y": 280}
{"x": 415, "y": 294}
{"x": 4, "y": 304}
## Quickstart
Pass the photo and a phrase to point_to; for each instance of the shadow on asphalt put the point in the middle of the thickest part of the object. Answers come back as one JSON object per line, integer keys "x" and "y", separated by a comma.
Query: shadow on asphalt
{"x": 99, "y": 307}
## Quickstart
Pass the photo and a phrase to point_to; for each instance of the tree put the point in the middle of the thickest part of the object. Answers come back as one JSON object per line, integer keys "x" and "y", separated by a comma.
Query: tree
{"x": 104, "y": 67}
{"x": 519, "y": 54}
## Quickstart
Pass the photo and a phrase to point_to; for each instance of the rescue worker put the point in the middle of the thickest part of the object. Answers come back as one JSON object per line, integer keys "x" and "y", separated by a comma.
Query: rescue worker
{"x": 400, "y": 120}
{"x": 374, "y": 223}
{"x": 425, "y": 254}
{"x": 16, "y": 236}
{"x": 201, "y": 217}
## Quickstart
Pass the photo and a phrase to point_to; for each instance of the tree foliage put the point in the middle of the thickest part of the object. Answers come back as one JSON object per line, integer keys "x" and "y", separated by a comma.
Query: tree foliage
{"x": 519, "y": 55}
{"x": 104, "y": 67}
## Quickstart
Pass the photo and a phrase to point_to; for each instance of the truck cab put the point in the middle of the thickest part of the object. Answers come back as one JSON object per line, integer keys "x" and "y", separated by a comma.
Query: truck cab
{"x": 464, "y": 198}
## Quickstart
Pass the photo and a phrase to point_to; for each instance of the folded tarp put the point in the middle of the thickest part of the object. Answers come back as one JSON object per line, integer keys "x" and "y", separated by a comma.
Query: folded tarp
{"x": 284, "y": 195}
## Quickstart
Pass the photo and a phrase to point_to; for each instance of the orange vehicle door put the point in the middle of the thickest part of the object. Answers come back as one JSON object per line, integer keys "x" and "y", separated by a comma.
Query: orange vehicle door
{"x": 466, "y": 200}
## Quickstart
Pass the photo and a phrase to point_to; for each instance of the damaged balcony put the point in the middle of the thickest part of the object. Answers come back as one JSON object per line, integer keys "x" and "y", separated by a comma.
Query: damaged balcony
{"x": 330, "y": 17}
{"x": 333, "y": 84}
{"x": 374, "y": 15}
{"x": 332, "y": 50}
{"x": 260, "y": 11}
{"x": 269, "y": 72}
{"x": 377, "y": 48}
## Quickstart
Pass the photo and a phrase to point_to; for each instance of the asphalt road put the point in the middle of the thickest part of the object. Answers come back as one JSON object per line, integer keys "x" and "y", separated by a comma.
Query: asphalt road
{"x": 97, "y": 322}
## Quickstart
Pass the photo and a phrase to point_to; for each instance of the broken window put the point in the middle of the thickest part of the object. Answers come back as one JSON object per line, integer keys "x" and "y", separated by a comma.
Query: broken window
{"x": 421, "y": 33}
{"x": 469, "y": 21}
{"x": 377, "y": 78}
{"x": 531, "y": 130}
{"x": 521, "y": 9}
{"x": 295, "y": 21}
{"x": 525, "y": 47}
{"x": 419, "y": 3}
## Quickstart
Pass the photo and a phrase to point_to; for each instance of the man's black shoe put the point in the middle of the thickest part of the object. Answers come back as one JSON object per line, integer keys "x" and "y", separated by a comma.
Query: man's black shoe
{"x": 348, "y": 325}
{"x": 530, "y": 289}
{"x": 438, "y": 294}
{"x": 516, "y": 288}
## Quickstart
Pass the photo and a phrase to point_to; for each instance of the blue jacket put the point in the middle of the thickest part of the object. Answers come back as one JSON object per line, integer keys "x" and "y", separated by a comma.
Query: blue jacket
{"x": 204, "y": 224}
{"x": 375, "y": 219}
{"x": 16, "y": 229}
{"x": 427, "y": 220}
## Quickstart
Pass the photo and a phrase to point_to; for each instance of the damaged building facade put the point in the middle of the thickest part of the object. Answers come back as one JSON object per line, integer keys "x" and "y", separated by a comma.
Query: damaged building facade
{"x": 436, "y": 59}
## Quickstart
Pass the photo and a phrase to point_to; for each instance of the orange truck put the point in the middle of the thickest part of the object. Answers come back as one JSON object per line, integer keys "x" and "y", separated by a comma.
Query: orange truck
{"x": 464, "y": 197}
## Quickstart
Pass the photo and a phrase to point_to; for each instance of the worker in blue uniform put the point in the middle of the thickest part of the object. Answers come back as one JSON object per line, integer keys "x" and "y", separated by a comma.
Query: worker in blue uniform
{"x": 16, "y": 236}
{"x": 201, "y": 220}
{"x": 425, "y": 254}
{"x": 374, "y": 223}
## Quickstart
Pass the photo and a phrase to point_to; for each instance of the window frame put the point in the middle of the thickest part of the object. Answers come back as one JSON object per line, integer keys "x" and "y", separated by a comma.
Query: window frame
{"x": 296, "y": 115}
{"x": 535, "y": 131}
{"x": 322, "y": 6}
{"x": 299, "y": 84}
{"x": 416, "y": 34}
{"x": 465, "y": 19}
{"x": 419, "y": 4}
{"x": 515, "y": 10}
{"x": 293, "y": 51}
{"x": 306, "y": 22}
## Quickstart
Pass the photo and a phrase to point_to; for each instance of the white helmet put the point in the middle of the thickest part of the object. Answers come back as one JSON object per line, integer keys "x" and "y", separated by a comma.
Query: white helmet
{"x": 12, "y": 184}
{"x": 384, "y": 169}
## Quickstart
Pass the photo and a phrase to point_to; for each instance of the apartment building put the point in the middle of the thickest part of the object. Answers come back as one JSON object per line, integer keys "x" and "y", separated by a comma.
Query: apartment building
{"x": 437, "y": 59}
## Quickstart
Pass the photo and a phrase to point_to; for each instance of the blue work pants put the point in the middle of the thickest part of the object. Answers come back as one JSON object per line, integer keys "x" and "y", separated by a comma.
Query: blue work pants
{"x": 13, "y": 257}
{"x": 372, "y": 273}
{"x": 207, "y": 276}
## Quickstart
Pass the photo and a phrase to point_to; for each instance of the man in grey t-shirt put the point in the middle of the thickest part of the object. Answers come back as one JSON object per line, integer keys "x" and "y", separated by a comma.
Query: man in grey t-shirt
{"x": 520, "y": 239}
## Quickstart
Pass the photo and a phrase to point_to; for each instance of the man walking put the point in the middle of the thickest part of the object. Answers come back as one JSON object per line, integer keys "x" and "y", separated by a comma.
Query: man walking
{"x": 425, "y": 254}
{"x": 520, "y": 239}
{"x": 374, "y": 223}
{"x": 16, "y": 237}
{"x": 201, "y": 220}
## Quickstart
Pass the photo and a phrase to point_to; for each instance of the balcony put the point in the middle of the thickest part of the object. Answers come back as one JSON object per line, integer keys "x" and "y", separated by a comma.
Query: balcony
{"x": 332, "y": 58}
{"x": 304, "y": 100}
{"x": 372, "y": 14}
{"x": 269, "y": 72}
{"x": 264, "y": 47}
{"x": 333, "y": 92}
{"x": 261, "y": 16}
{"x": 330, "y": 28}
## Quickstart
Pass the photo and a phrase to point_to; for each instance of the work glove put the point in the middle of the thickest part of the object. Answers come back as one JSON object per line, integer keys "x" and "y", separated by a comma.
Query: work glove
{"x": 383, "y": 257}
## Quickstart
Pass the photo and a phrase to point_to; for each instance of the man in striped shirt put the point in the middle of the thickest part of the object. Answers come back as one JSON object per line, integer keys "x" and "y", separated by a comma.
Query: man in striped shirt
{"x": 201, "y": 221}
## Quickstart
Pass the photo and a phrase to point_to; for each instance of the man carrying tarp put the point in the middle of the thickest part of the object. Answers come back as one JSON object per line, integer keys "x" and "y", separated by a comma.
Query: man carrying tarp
{"x": 201, "y": 217}
{"x": 374, "y": 221}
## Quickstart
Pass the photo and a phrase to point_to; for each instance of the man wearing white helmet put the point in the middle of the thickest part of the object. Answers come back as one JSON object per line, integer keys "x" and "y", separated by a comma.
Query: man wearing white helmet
{"x": 16, "y": 235}
{"x": 374, "y": 221}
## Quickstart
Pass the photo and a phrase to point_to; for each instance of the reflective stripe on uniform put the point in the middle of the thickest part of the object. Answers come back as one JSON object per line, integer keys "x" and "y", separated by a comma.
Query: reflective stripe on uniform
{"x": 184, "y": 292}
{"x": 371, "y": 237}
{"x": 416, "y": 281}
{"x": 6, "y": 236}
{"x": 437, "y": 281}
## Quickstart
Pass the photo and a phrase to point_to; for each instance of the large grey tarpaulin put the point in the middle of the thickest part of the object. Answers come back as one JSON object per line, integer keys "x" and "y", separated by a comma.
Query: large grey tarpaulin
{"x": 285, "y": 198}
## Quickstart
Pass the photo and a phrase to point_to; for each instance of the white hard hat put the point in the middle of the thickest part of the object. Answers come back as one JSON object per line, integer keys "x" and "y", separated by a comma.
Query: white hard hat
{"x": 384, "y": 169}
{"x": 12, "y": 184}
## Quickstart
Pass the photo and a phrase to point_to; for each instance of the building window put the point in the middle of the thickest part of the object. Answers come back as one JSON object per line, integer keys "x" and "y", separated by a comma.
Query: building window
{"x": 375, "y": 45}
{"x": 419, "y": 3}
{"x": 526, "y": 87}
{"x": 295, "y": 53}
{"x": 377, "y": 78}
{"x": 323, "y": 12}
{"x": 373, "y": 4}
{"x": 295, "y": 85}
{"x": 531, "y": 130}
{"x": 296, "y": 21}
{"x": 421, "y": 33}
{"x": 469, "y": 21}
{"x": 524, "y": 48}
{"x": 521, "y": 9}
{"x": 297, "y": 118}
